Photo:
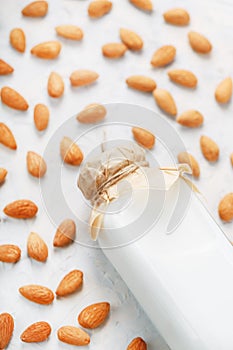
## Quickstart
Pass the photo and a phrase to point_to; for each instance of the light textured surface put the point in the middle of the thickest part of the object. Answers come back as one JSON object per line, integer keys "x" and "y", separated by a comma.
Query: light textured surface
{"x": 101, "y": 282}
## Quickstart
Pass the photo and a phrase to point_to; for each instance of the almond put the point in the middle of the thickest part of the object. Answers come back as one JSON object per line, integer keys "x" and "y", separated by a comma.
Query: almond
{"x": 94, "y": 315}
{"x": 6, "y": 329}
{"x": 145, "y": 5}
{"x": 223, "y": 91}
{"x": 137, "y": 344}
{"x": 36, "y": 247}
{"x": 70, "y": 152}
{"x": 55, "y": 85}
{"x": 183, "y": 77}
{"x": 35, "y": 9}
{"x": 92, "y": 113}
{"x": 83, "y": 77}
{"x": 5, "y": 68}
{"x": 199, "y": 43}
{"x": 143, "y": 137}
{"x": 191, "y": 119}
{"x": 47, "y": 50}
{"x": 231, "y": 159}
{"x": 99, "y": 8}
{"x": 65, "y": 233}
{"x": 70, "y": 283}
{"x": 209, "y": 148}
{"x": 36, "y": 164}
{"x": 18, "y": 39}
{"x": 142, "y": 83}
{"x": 225, "y": 208}
{"x": 21, "y": 209}
{"x": 114, "y": 50}
{"x": 41, "y": 116}
{"x": 6, "y": 137}
{"x": 3, "y": 174}
{"x": 9, "y": 253}
{"x": 165, "y": 101}
{"x": 37, "y": 294}
{"x": 177, "y": 17}
{"x": 36, "y": 332}
{"x": 185, "y": 157}
{"x": 163, "y": 56}
{"x": 132, "y": 40}
{"x": 69, "y": 32}
{"x": 73, "y": 335}
{"x": 13, "y": 99}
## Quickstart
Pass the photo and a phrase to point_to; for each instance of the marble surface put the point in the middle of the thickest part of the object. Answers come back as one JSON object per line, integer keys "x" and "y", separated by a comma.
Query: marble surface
{"x": 212, "y": 18}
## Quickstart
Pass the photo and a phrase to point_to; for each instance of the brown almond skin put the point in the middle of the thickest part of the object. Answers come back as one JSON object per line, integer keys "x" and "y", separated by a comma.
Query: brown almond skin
{"x": 65, "y": 233}
{"x": 47, "y": 50}
{"x": 55, "y": 85}
{"x": 37, "y": 294}
{"x": 10, "y": 253}
{"x": 183, "y": 77}
{"x": 6, "y": 137}
{"x": 70, "y": 32}
{"x": 141, "y": 83}
{"x": 144, "y": 137}
{"x": 190, "y": 119}
{"x": 223, "y": 91}
{"x": 137, "y": 344}
{"x": 36, "y": 332}
{"x": 6, "y": 329}
{"x": 209, "y": 148}
{"x": 5, "y": 68}
{"x": 21, "y": 209}
{"x": 114, "y": 50}
{"x": 36, "y": 165}
{"x": 70, "y": 152}
{"x": 131, "y": 39}
{"x": 163, "y": 56}
{"x": 99, "y": 8}
{"x": 37, "y": 248}
{"x": 18, "y": 39}
{"x": 13, "y": 99}
{"x": 92, "y": 113}
{"x": 225, "y": 208}
{"x": 41, "y": 116}
{"x": 145, "y": 5}
{"x": 165, "y": 101}
{"x": 35, "y": 9}
{"x": 94, "y": 315}
{"x": 199, "y": 43}
{"x": 3, "y": 174}
{"x": 73, "y": 336}
{"x": 177, "y": 17}
{"x": 70, "y": 283}
{"x": 185, "y": 157}
{"x": 83, "y": 77}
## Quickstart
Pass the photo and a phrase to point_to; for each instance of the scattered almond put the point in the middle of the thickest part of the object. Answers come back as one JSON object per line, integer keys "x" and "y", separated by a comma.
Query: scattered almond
{"x": 6, "y": 137}
{"x": 21, "y": 209}
{"x": 41, "y": 116}
{"x": 145, "y": 5}
{"x": 94, "y": 315}
{"x": 83, "y": 77}
{"x": 163, "y": 56}
{"x": 183, "y": 77}
{"x": 231, "y": 159}
{"x": 65, "y": 233}
{"x": 36, "y": 247}
{"x": 5, "y": 68}
{"x": 225, "y": 208}
{"x": 36, "y": 164}
{"x": 70, "y": 152}
{"x": 99, "y": 8}
{"x": 3, "y": 174}
{"x": 37, "y": 294}
{"x": 142, "y": 83}
{"x": 165, "y": 101}
{"x": 177, "y": 17}
{"x": 137, "y": 344}
{"x": 13, "y": 99}
{"x": 114, "y": 50}
{"x": 47, "y": 50}
{"x": 35, "y": 9}
{"x": 36, "y": 332}
{"x": 6, "y": 329}
{"x": 199, "y": 43}
{"x": 9, "y": 253}
{"x": 143, "y": 137}
{"x": 70, "y": 283}
{"x": 69, "y": 32}
{"x": 185, "y": 157}
{"x": 18, "y": 39}
{"x": 92, "y": 113}
{"x": 132, "y": 40}
{"x": 191, "y": 119}
{"x": 209, "y": 148}
{"x": 55, "y": 85}
{"x": 223, "y": 91}
{"x": 73, "y": 336}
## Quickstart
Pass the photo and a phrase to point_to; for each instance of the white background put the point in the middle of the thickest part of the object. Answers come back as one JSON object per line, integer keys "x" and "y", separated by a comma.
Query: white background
{"x": 212, "y": 18}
